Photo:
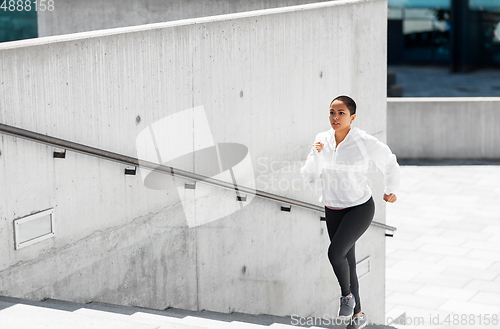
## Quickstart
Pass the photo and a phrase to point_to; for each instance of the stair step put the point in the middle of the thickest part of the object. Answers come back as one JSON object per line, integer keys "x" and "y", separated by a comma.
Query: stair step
{"x": 60, "y": 304}
{"x": 160, "y": 323}
{"x": 190, "y": 320}
{"x": 283, "y": 326}
{"x": 22, "y": 316}
{"x": 246, "y": 325}
{"x": 57, "y": 314}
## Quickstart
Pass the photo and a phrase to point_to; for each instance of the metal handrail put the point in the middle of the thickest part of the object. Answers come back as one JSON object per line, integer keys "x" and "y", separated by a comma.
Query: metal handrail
{"x": 111, "y": 156}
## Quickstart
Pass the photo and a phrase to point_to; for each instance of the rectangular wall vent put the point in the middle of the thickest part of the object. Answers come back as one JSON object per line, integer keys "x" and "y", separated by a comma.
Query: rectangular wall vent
{"x": 34, "y": 228}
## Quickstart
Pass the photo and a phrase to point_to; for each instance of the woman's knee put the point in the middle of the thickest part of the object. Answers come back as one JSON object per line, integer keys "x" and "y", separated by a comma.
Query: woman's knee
{"x": 335, "y": 255}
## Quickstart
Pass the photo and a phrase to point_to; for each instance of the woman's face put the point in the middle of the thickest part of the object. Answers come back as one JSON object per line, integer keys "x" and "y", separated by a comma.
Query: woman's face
{"x": 340, "y": 117}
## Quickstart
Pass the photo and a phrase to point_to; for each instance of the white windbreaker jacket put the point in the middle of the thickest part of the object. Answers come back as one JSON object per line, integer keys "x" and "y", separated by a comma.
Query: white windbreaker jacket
{"x": 342, "y": 171}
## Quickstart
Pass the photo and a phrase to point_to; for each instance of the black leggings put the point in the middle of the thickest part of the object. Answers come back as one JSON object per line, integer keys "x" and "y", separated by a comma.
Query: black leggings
{"x": 345, "y": 227}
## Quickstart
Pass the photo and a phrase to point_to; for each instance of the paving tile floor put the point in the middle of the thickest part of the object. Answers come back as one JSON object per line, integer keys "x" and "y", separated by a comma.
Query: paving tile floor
{"x": 443, "y": 263}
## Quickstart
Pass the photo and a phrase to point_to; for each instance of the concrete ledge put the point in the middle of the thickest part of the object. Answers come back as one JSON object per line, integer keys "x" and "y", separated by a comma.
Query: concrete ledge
{"x": 76, "y": 16}
{"x": 444, "y": 128}
{"x": 181, "y": 22}
{"x": 449, "y": 162}
{"x": 424, "y": 100}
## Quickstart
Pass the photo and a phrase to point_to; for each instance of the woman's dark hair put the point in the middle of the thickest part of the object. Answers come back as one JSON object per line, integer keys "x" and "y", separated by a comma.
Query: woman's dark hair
{"x": 348, "y": 102}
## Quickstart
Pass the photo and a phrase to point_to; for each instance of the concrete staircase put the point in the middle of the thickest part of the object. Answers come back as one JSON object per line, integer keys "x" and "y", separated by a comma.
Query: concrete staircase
{"x": 56, "y": 314}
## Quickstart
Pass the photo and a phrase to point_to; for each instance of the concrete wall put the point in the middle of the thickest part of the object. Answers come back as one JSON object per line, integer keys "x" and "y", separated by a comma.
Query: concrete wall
{"x": 265, "y": 80}
{"x": 71, "y": 16}
{"x": 444, "y": 128}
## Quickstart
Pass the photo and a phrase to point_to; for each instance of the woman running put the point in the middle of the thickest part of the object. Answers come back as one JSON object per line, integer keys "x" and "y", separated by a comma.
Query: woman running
{"x": 341, "y": 158}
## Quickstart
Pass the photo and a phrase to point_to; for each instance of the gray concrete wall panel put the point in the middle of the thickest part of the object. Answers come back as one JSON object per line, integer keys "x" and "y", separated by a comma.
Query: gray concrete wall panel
{"x": 265, "y": 80}
{"x": 71, "y": 16}
{"x": 444, "y": 128}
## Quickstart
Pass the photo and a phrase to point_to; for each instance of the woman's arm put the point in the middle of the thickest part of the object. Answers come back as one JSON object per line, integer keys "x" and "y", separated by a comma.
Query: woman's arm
{"x": 312, "y": 167}
{"x": 386, "y": 161}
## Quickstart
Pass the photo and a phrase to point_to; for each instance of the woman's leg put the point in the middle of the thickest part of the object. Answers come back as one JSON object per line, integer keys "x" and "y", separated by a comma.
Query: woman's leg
{"x": 353, "y": 276}
{"x": 345, "y": 227}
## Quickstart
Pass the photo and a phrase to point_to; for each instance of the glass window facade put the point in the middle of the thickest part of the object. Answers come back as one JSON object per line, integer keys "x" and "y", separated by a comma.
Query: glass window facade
{"x": 445, "y": 4}
{"x": 17, "y": 24}
{"x": 419, "y": 31}
{"x": 423, "y": 33}
{"x": 484, "y": 4}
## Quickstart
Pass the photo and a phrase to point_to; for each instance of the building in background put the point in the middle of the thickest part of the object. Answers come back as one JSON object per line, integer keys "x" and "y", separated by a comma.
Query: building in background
{"x": 17, "y": 24}
{"x": 464, "y": 34}
{"x": 461, "y": 34}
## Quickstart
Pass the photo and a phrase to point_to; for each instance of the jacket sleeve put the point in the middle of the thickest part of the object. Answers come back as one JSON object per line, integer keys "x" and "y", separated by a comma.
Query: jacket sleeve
{"x": 311, "y": 170}
{"x": 386, "y": 161}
